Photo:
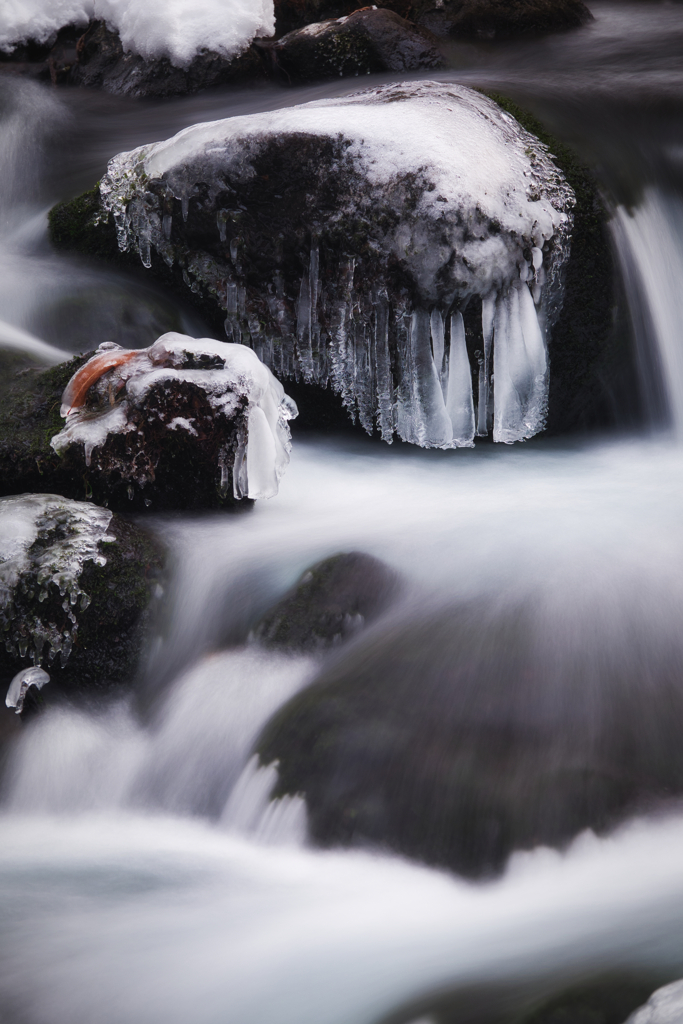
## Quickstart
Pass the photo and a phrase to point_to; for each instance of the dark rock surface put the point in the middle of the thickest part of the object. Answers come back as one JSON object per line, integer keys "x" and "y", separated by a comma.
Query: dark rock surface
{"x": 459, "y": 18}
{"x": 331, "y": 603}
{"x": 180, "y": 469}
{"x": 367, "y": 42}
{"x": 81, "y": 616}
{"x": 458, "y": 738}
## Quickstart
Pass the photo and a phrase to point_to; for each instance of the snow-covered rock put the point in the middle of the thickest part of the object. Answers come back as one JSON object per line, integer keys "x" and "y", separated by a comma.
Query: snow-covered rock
{"x": 75, "y": 581}
{"x": 665, "y": 1006}
{"x": 176, "y": 29}
{"x": 401, "y": 244}
{"x": 124, "y": 408}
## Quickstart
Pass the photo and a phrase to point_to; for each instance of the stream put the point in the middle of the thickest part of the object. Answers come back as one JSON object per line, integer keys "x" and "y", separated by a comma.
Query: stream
{"x": 145, "y": 877}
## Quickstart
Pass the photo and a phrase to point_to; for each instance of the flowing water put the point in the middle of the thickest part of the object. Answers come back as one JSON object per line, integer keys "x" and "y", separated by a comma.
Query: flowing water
{"x": 144, "y": 874}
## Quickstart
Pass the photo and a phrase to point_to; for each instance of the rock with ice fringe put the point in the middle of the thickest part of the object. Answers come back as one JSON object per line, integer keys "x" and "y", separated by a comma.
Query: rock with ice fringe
{"x": 75, "y": 583}
{"x": 355, "y": 241}
{"x": 183, "y": 417}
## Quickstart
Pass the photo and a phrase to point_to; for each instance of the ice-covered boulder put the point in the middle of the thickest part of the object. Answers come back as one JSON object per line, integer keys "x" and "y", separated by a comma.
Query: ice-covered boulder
{"x": 366, "y": 42}
{"x": 176, "y": 29}
{"x": 75, "y": 585}
{"x": 665, "y": 1006}
{"x": 405, "y": 244}
{"x": 185, "y": 423}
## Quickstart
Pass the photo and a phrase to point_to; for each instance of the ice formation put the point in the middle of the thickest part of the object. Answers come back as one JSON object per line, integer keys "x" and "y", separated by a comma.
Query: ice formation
{"x": 44, "y": 542}
{"x": 108, "y": 394}
{"x": 177, "y": 29}
{"x": 20, "y": 685}
{"x": 404, "y": 244}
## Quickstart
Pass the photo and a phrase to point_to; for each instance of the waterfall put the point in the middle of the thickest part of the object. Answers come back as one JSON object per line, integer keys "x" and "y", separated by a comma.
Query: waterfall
{"x": 650, "y": 245}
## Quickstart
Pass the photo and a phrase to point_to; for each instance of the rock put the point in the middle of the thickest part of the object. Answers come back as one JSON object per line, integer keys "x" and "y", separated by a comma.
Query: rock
{"x": 183, "y": 424}
{"x": 460, "y": 18}
{"x": 75, "y": 587}
{"x": 499, "y": 19}
{"x": 464, "y": 736}
{"x": 103, "y": 63}
{"x": 368, "y": 41}
{"x": 664, "y": 1007}
{"x": 332, "y": 602}
{"x": 346, "y": 247}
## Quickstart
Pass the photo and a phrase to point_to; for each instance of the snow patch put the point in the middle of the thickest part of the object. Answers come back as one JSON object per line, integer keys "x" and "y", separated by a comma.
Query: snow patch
{"x": 177, "y": 29}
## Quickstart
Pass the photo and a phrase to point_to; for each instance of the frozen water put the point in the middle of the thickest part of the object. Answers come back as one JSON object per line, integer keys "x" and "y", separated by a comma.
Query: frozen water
{"x": 664, "y": 1007}
{"x": 231, "y": 372}
{"x": 177, "y": 29}
{"x": 20, "y": 685}
{"x": 44, "y": 542}
{"x": 489, "y": 218}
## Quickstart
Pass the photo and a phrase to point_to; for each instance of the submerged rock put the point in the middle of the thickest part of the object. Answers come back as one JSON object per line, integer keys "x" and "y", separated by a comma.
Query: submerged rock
{"x": 332, "y": 602}
{"x": 405, "y": 245}
{"x": 182, "y": 424}
{"x": 368, "y": 41}
{"x": 75, "y": 585}
{"x": 460, "y": 737}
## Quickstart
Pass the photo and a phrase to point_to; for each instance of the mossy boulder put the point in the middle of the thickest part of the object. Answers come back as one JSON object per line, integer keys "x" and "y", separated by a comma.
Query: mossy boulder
{"x": 332, "y": 602}
{"x": 76, "y": 582}
{"x": 367, "y": 42}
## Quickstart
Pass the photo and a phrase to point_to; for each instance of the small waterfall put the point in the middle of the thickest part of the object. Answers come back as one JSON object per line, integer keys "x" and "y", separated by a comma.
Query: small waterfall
{"x": 649, "y": 242}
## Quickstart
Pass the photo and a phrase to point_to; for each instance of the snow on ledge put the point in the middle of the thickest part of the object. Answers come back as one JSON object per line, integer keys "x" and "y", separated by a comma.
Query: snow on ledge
{"x": 177, "y": 29}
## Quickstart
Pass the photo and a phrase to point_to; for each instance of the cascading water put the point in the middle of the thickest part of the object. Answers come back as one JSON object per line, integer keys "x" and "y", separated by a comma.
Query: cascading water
{"x": 144, "y": 875}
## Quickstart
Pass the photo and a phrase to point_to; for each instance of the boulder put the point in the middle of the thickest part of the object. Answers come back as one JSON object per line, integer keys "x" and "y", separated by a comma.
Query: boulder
{"x": 331, "y": 603}
{"x": 102, "y": 62}
{"x": 460, "y": 736}
{"x": 459, "y": 18}
{"x": 182, "y": 424}
{"x": 664, "y": 1007}
{"x": 75, "y": 587}
{"x": 404, "y": 245}
{"x": 366, "y": 42}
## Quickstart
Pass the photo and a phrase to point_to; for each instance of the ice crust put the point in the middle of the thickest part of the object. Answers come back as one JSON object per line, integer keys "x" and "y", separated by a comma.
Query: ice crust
{"x": 492, "y": 220}
{"x": 177, "y": 29}
{"x": 228, "y": 374}
{"x": 45, "y": 541}
{"x": 19, "y": 687}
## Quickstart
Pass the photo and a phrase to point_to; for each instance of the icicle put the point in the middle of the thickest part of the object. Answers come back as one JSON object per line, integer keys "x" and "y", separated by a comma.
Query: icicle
{"x": 488, "y": 310}
{"x": 384, "y": 408}
{"x": 303, "y": 327}
{"x": 438, "y": 342}
{"x": 520, "y": 368}
{"x": 459, "y": 403}
{"x": 261, "y": 457}
{"x": 430, "y": 424}
{"x": 19, "y": 686}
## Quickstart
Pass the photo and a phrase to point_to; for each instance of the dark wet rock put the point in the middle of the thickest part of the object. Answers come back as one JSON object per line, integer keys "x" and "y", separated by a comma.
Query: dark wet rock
{"x": 331, "y": 603}
{"x": 485, "y": 19}
{"x": 75, "y": 585}
{"x": 368, "y": 41}
{"x": 300, "y": 237}
{"x": 103, "y": 63}
{"x": 462, "y": 737}
{"x": 605, "y": 998}
{"x": 169, "y": 447}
